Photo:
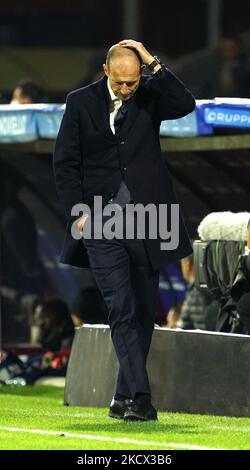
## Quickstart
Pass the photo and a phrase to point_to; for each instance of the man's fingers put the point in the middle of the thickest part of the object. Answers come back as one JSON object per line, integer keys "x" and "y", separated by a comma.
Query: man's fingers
{"x": 138, "y": 46}
{"x": 125, "y": 41}
{"x": 81, "y": 223}
{"x": 131, "y": 43}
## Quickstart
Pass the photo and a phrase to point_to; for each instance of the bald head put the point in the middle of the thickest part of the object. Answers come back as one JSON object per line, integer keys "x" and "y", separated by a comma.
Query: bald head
{"x": 123, "y": 68}
{"x": 120, "y": 54}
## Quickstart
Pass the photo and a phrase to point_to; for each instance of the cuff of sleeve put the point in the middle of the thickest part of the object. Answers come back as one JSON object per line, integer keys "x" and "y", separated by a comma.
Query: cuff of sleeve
{"x": 160, "y": 72}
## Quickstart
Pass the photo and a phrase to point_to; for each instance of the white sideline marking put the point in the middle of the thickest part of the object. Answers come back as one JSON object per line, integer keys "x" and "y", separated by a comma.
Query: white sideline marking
{"x": 94, "y": 437}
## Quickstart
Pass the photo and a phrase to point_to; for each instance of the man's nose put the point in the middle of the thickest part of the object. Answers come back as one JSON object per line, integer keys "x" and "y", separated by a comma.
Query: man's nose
{"x": 124, "y": 89}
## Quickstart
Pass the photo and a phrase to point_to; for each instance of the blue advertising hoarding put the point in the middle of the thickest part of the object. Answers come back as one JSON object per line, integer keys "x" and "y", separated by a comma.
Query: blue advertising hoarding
{"x": 24, "y": 123}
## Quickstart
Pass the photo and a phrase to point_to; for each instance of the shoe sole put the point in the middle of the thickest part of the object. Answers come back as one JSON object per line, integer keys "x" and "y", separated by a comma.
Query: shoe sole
{"x": 131, "y": 416}
{"x": 115, "y": 416}
{"x": 134, "y": 417}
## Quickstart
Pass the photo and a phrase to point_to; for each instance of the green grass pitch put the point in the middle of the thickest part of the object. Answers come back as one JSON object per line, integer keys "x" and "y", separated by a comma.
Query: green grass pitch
{"x": 35, "y": 418}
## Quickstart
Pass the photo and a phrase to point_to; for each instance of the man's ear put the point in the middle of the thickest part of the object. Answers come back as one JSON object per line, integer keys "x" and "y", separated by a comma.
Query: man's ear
{"x": 105, "y": 69}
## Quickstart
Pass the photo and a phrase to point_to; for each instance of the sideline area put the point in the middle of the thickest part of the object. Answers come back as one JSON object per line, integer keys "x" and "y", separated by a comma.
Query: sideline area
{"x": 35, "y": 418}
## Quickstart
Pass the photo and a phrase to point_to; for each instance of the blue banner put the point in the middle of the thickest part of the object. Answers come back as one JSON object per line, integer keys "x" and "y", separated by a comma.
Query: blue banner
{"x": 184, "y": 127}
{"x": 225, "y": 117}
{"x": 25, "y": 123}
{"x": 222, "y": 112}
{"x": 18, "y": 126}
{"x": 48, "y": 121}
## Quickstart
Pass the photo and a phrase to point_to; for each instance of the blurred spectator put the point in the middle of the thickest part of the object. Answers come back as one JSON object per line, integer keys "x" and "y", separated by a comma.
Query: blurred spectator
{"x": 172, "y": 289}
{"x": 197, "y": 303}
{"x": 53, "y": 325}
{"x": 89, "y": 307}
{"x": 54, "y": 333}
{"x": 173, "y": 315}
{"x": 229, "y": 76}
{"x": 22, "y": 272}
{"x": 243, "y": 309}
{"x": 27, "y": 92}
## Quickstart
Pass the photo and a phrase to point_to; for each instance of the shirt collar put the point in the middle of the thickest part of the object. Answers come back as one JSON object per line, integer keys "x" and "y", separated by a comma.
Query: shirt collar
{"x": 111, "y": 93}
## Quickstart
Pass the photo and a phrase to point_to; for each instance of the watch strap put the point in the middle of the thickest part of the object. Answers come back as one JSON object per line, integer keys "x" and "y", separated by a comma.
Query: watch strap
{"x": 153, "y": 64}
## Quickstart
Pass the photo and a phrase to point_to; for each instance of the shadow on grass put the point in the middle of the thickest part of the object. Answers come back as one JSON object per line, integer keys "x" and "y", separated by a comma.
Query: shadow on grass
{"x": 130, "y": 428}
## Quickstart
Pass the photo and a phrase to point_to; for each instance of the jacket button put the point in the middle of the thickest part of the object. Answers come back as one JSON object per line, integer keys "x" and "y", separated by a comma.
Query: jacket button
{"x": 122, "y": 142}
{"x": 125, "y": 169}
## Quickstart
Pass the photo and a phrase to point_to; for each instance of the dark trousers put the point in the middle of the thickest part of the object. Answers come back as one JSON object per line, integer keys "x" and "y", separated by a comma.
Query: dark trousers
{"x": 129, "y": 287}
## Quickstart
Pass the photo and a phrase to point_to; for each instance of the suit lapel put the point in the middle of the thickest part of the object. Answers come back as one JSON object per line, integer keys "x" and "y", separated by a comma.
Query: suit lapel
{"x": 132, "y": 114}
{"x": 99, "y": 110}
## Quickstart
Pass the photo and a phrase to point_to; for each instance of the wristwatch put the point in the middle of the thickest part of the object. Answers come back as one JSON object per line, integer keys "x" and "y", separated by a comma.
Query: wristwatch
{"x": 155, "y": 62}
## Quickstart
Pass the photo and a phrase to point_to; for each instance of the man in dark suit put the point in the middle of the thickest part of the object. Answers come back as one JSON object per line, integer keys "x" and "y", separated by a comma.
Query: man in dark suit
{"x": 108, "y": 146}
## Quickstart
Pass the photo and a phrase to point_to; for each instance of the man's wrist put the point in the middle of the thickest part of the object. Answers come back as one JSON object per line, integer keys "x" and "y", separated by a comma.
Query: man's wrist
{"x": 155, "y": 65}
{"x": 149, "y": 60}
{"x": 157, "y": 68}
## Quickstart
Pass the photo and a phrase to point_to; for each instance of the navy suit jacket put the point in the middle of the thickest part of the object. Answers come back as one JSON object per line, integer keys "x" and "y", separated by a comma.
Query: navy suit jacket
{"x": 90, "y": 160}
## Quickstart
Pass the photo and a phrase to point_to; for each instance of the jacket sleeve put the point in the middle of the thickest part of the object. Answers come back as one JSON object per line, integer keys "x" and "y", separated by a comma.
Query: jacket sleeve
{"x": 172, "y": 99}
{"x": 67, "y": 160}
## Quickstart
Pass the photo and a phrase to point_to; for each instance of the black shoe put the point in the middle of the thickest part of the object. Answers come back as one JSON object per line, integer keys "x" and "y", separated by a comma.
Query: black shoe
{"x": 118, "y": 407}
{"x": 140, "y": 410}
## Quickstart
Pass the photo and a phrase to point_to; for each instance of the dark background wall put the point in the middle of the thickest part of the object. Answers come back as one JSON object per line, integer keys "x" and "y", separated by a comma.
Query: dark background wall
{"x": 174, "y": 28}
